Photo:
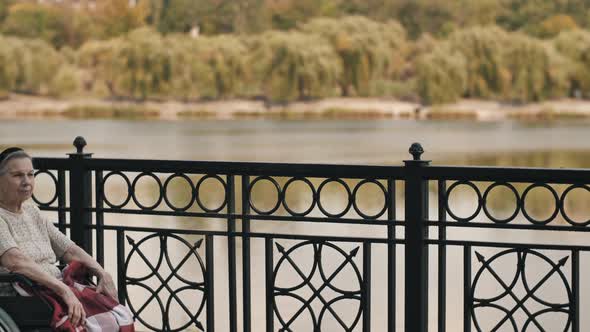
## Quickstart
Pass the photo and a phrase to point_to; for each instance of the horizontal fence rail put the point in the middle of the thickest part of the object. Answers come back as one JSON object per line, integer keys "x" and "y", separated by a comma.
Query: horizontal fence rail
{"x": 228, "y": 246}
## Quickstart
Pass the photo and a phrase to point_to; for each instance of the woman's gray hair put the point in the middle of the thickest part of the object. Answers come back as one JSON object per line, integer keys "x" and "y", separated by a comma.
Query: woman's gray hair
{"x": 14, "y": 155}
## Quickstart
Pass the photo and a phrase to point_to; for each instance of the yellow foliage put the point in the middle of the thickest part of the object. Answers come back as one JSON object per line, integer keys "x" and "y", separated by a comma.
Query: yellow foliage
{"x": 553, "y": 25}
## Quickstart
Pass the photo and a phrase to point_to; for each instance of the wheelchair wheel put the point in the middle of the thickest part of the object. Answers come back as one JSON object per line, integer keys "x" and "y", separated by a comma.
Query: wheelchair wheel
{"x": 6, "y": 323}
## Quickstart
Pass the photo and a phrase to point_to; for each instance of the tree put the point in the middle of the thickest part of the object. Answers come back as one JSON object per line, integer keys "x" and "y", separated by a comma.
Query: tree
{"x": 574, "y": 45}
{"x": 27, "y": 66}
{"x": 287, "y": 14}
{"x": 191, "y": 78}
{"x": 59, "y": 25}
{"x": 368, "y": 49}
{"x": 295, "y": 65}
{"x": 483, "y": 49}
{"x": 537, "y": 73}
{"x": 553, "y": 25}
{"x": 441, "y": 75}
{"x": 117, "y": 17}
{"x": 214, "y": 16}
{"x": 4, "y": 5}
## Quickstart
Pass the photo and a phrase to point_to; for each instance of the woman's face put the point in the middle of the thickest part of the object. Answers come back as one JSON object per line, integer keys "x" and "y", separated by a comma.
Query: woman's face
{"x": 18, "y": 182}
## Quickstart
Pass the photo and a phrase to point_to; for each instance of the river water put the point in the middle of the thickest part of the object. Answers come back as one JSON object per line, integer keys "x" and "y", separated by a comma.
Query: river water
{"x": 554, "y": 144}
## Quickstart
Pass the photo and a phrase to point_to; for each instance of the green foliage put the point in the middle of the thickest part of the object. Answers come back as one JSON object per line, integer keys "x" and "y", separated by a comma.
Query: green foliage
{"x": 27, "y": 65}
{"x": 225, "y": 55}
{"x": 533, "y": 74}
{"x": 66, "y": 82}
{"x": 575, "y": 46}
{"x": 483, "y": 49}
{"x": 191, "y": 78}
{"x": 441, "y": 75}
{"x": 117, "y": 17}
{"x": 142, "y": 65}
{"x": 217, "y": 64}
{"x": 369, "y": 50}
{"x": 497, "y": 65}
{"x": 4, "y": 5}
{"x": 296, "y": 65}
{"x": 212, "y": 17}
{"x": 97, "y": 61}
{"x": 287, "y": 14}
{"x": 58, "y": 25}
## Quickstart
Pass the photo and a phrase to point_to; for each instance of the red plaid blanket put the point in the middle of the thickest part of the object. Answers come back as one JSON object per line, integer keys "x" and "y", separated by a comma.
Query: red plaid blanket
{"x": 103, "y": 313}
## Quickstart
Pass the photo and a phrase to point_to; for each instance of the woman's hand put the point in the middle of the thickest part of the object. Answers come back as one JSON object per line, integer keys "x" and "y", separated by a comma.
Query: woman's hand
{"x": 106, "y": 286}
{"x": 75, "y": 309}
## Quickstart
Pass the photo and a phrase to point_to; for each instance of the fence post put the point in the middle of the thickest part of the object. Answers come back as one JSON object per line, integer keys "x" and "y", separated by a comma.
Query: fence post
{"x": 80, "y": 197}
{"x": 416, "y": 250}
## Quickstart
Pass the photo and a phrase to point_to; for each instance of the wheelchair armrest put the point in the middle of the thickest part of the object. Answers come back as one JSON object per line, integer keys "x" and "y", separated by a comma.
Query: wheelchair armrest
{"x": 30, "y": 313}
{"x": 15, "y": 277}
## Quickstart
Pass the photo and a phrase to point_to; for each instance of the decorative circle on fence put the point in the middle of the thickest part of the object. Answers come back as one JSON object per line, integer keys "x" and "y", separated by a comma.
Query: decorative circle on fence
{"x": 523, "y": 203}
{"x": 165, "y": 191}
{"x": 313, "y": 196}
{"x": 520, "y": 301}
{"x": 485, "y": 202}
{"x": 306, "y": 292}
{"x": 54, "y": 179}
{"x": 354, "y": 198}
{"x": 279, "y": 195}
{"x": 200, "y": 286}
{"x": 479, "y": 200}
{"x": 198, "y": 193}
{"x": 562, "y": 205}
{"x": 348, "y": 193}
{"x": 134, "y": 195}
{"x": 104, "y": 194}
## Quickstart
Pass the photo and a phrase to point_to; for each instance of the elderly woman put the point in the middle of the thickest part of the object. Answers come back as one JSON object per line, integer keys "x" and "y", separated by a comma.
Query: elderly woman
{"x": 31, "y": 245}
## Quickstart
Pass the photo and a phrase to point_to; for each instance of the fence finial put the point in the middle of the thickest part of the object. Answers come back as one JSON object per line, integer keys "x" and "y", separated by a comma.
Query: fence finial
{"x": 416, "y": 150}
{"x": 79, "y": 143}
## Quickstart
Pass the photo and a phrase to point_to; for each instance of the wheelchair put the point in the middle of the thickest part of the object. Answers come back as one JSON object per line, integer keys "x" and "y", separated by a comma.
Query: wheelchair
{"x": 23, "y": 313}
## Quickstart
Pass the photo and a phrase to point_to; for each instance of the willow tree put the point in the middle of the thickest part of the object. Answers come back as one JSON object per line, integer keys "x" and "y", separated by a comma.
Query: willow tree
{"x": 27, "y": 65}
{"x": 143, "y": 65}
{"x": 226, "y": 57}
{"x": 368, "y": 50}
{"x": 575, "y": 46}
{"x": 537, "y": 72}
{"x": 483, "y": 49}
{"x": 191, "y": 78}
{"x": 441, "y": 75}
{"x": 295, "y": 65}
{"x": 117, "y": 17}
{"x": 96, "y": 59}
{"x": 9, "y": 68}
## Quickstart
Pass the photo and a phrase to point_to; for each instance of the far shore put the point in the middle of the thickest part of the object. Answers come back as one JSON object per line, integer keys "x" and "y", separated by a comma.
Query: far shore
{"x": 31, "y": 107}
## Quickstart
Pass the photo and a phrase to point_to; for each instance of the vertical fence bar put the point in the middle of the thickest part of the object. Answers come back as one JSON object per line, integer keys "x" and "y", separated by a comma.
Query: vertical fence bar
{"x": 247, "y": 300}
{"x": 61, "y": 200}
{"x": 209, "y": 259}
{"x": 467, "y": 300}
{"x": 366, "y": 287}
{"x": 121, "y": 266}
{"x": 391, "y": 251}
{"x": 80, "y": 197}
{"x": 416, "y": 252}
{"x": 99, "y": 216}
{"x": 231, "y": 251}
{"x": 442, "y": 257}
{"x": 268, "y": 267}
{"x": 576, "y": 290}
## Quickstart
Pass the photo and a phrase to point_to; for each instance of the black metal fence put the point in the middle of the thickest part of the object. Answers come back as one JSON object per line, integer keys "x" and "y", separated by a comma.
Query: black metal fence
{"x": 350, "y": 269}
